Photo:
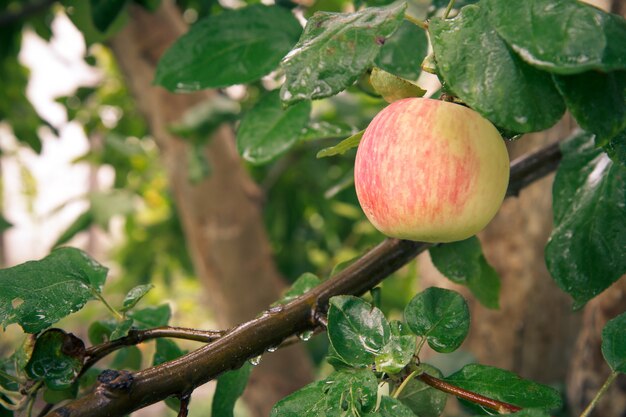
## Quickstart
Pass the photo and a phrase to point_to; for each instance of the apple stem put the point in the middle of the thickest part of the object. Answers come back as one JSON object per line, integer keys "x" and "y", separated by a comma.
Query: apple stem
{"x": 416, "y": 21}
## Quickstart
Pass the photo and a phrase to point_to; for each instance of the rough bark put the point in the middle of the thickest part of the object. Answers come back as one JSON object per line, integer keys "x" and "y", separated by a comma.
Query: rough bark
{"x": 221, "y": 215}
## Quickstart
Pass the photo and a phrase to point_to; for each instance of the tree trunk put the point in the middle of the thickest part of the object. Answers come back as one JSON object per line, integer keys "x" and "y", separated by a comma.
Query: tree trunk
{"x": 221, "y": 215}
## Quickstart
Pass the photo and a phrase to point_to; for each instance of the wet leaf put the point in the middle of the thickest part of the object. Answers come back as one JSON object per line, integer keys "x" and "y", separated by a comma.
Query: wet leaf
{"x": 135, "y": 295}
{"x": 399, "y": 351}
{"x": 343, "y": 146}
{"x": 614, "y": 343}
{"x": 305, "y": 283}
{"x": 403, "y": 53}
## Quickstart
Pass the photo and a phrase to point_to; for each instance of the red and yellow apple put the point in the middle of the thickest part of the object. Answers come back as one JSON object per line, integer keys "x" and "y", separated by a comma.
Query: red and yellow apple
{"x": 430, "y": 171}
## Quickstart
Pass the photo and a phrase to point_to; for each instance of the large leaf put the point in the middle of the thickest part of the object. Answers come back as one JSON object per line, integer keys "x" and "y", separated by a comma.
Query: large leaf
{"x": 230, "y": 386}
{"x": 439, "y": 315}
{"x": 233, "y": 47}
{"x": 597, "y": 101}
{"x": 57, "y": 359}
{"x": 104, "y": 12}
{"x": 38, "y": 293}
{"x": 614, "y": 343}
{"x": 356, "y": 330}
{"x": 403, "y": 53}
{"x": 424, "y": 400}
{"x": 505, "y": 386}
{"x": 269, "y": 130}
{"x": 585, "y": 253}
{"x": 335, "y": 49}
{"x": 464, "y": 263}
{"x": 399, "y": 351}
{"x": 477, "y": 65}
{"x": 561, "y": 36}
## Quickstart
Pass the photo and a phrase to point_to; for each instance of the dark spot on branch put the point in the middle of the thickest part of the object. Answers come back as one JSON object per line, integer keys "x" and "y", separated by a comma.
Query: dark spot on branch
{"x": 116, "y": 380}
{"x": 380, "y": 40}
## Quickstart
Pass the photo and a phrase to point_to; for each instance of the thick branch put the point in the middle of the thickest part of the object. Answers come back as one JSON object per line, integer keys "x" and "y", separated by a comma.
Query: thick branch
{"x": 255, "y": 337}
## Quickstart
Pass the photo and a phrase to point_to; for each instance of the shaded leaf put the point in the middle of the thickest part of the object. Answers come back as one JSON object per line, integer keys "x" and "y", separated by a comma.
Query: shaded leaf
{"x": 505, "y": 386}
{"x": 561, "y": 36}
{"x": 150, "y": 317}
{"x": 391, "y": 407}
{"x": 616, "y": 149}
{"x": 597, "y": 101}
{"x": 335, "y": 49}
{"x": 356, "y": 330}
{"x": 135, "y": 295}
{"x": 100, "y": 331}
{"x": 439, "y": 315}
{"x": 166, "y": 350}
{"x": 82, "y": 223}
{"x": 305, "y": 283}
{"x": 230, "y": 386}
{"x": 614, "y": 343}
{"x": 325, "y": 130}
{"x": 104, "y": 12}
{"x": 4, "y": 224}
{"x": 249, "y": 42}
{"x": 121, "y": 329}
{"x": 403, "y": 53}
{"x": 585, "y": 252}
{"x": 54, "y": 396}
{"x": 57, "y": 359}
{"x": 199, "y": 122}
{"x": 424, "y": 400}
{"x": 463, "y": 262}
{"x": 476, "y": 64}
{"x": 37, "y": 294}
{"x": 129, "y": 357}
{"x": 269, "y": 130}
{"x": 393, "y": 88}
{"x": 343, "y": 146}
{"x": 80, "y": 13}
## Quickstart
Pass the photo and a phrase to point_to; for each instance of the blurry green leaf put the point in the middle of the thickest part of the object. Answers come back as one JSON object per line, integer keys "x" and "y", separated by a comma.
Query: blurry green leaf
{"x": 597, "y": 101}
{"x": 393, "y": 88}
{"x": 129, "y": 357}
{"x": 561, "y": 36}
{"x": 614, "y": 343}
{"x": 57, "y": 359}
{"x": 198, "y": 164}
{"x": 36, "y": 294}
{"x": 104, "y": 12}
{"x": 54, "y": 396}
{"x": 343, "y": 146}
{"x": 4, "y": 224}
{"x": 335, "y": 49}
{"x": 505, "y": 386}
{"x": 530, "y": 412}
{"x": 269, "y": 130}
{"x": 481, "y": 70}
{"x": 585, "y": 252}
{"x": 356, "y": 330}
{"x": 80, "y": 13}
{"x": 440, "y": 5}
{"x": 305, "y": 283}
{"x": 233, "y": 47}
{"x": 229, "y": 387}
{"x": 107, "y": 204}
{"x": 199, "y": 122}
{"x": 121, "y": 329}
{"x": 324, "y": 130}
{"x": 403, "y": 53}
{"x": 464, "y": 263}
{"x": 82, "y": 223}
{"x": 391, "y": 407}
{"x": 166, "y": 350}
{"x": 424, "y": 400}
{"x": 439, "y": 315}
{"x": 100, "y": 331}
{"x": 398, "y": 352}
{"x": 135, "y": 295}
{"x": 151, "y": 5}
{"x": 8, "y": 381}
{"x": 616, "y": 149}
{"x": 151, "y": 317}
{"x": 352, "y": 390}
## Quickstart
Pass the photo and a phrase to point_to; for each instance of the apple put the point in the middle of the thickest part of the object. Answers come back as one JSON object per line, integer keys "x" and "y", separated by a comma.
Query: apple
{"x": 430, "y": 170}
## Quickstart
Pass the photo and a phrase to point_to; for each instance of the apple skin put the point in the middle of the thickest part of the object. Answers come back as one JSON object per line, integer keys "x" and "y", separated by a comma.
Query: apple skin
{"x": 430, "y": 171}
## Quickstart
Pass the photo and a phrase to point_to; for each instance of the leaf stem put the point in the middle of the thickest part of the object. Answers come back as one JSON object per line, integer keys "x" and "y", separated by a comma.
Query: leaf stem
{"x": 446, "y": 13}
{"x": 404, "y": 383}
{"x": 10, "y": 377}
{"x": 118, "y": 316}
{"x": 416, "y": 21}
{"x": 420, "y": 345}
{"x": 603, "y": 389}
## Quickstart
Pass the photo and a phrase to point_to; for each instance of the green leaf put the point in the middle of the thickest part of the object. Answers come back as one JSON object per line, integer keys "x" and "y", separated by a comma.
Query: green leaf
{"x": 7, "y": 370}
{"x": 135, "y": 295}
{"x": 57, "y": 359}
{"x": 561, "y": 36}
{"x": 305, "y": 283}
{"x": 269, "y": 130}
{"x": 37, "y": 294}
{"x": 530, "y": 412}
{"x": 129, "y": 357}
{"x": 439, "y": 315}
{"x": 463, "y": 262}
{"x": 343, "y": 146}
{"x": 393, "y": 88}
{"x": 505, "y": 386}
{"x": 199, "y": 122}
{"x": 104, "y": 12}
{"x": 356, "y": 330}
{"x": 166, "y": 350}
{"x": 82, "y": 223}
{"x": 424, "y": 400}
{"x": 597, "y": 101}
{"x": 233, "y": 47}
{"x": 354, "y": 390}
{"x": 80, "y": 13}
{"x": 151, "y": 317}
{"x": 198, "y": 165}
{"x": 107, "y": 204}
{"x": 4, "y": 224}
{"x": 616, "y": 149}
{"x": 614, "y": 343}
{"x": 325, "y": 130}
{"x": 403, "y": 53}
{"x": 100, "y": 331}
{"x": 398, "y": 352}
{"x": 121, "y": 329}
{"x": 584, "y": 253}
{"x": 481, "y": 70}
{"x": 54, "y": 396}
{"x": 391, "y": 407}
{"x": 335, "y": 49}
{"x": 230, "y": 386}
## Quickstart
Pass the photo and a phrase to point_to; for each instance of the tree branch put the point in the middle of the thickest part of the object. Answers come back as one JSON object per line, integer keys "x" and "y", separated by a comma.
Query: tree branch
{"x": 29, "y": 9}
{"x": 255, "y": 337}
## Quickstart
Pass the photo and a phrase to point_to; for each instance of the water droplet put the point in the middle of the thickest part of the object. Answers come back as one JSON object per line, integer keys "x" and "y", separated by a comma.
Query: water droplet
{"x": 272, "y": 349}
{"x": 305, "y": 336}
{"x": 276, "y": 309}
{"x": 255, "y": 361}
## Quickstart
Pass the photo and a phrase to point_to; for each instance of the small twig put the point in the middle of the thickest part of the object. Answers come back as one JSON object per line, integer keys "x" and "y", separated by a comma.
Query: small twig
{"x": 499, "y": 406}
{"x": 603, "y": 389}
{"x": 446, "y": 12}
{"x": 416, "y": 21}
{"x": 184, "y": 404}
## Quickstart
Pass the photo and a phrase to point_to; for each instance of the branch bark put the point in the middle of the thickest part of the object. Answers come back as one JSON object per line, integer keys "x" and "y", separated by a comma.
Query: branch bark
{"x": 254, "y": 337}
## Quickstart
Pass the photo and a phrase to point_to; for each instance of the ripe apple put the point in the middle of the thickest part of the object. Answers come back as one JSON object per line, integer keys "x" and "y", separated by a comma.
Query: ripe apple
{"x": 431, "y": 171}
